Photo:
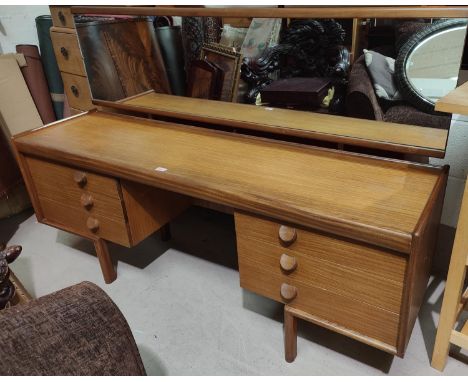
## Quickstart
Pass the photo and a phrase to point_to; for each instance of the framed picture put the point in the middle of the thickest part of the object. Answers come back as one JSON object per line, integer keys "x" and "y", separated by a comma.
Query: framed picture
{"x": 229, "y": 60}
{"x": 205, "y": 80}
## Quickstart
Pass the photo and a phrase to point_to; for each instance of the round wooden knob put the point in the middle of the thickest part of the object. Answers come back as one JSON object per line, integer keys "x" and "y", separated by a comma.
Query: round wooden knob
{"x": 80, "y": 178}
{"x": 287, "y": 235}
{"x": 61, "y": 17}
{"x": 64, "y": 52}
{"x": 87, "y": 201}
{"x": 288, "y": 263}
{"x": 92, "y": 224}
{"x": 288, "y": 292}
{"x": 75, "y": 90}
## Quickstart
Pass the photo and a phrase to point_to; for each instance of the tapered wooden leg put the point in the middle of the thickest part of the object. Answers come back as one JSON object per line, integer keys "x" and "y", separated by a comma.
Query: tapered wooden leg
{"x": 290, "y": 335}
{"x": 107, "y": 267}
{"x": 165, "y": 232}
{"x": 453, "y": 288}
{"x": 448, "y": 313}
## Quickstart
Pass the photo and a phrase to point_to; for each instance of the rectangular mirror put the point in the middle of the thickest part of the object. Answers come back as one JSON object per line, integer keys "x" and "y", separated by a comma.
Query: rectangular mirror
{"x": 356, "y": 83}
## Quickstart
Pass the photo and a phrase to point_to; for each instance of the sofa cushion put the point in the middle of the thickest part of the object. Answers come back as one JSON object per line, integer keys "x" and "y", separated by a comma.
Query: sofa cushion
{"x": 406, "y": 30}
{"x": 381, "y": 70}
{"x": 407, "y": 114}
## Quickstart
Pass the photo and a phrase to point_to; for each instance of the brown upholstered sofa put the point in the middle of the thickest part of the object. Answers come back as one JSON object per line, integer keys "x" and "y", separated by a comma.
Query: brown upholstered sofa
{"x": 75, "y": 331}
{"x": 362, "y": 102}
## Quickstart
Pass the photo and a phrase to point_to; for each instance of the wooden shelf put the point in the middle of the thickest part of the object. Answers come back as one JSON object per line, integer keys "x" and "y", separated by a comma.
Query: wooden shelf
{"x": 293, "y": 12}
{"x": 324, "y": 127}
{"x": 455, "y": 102}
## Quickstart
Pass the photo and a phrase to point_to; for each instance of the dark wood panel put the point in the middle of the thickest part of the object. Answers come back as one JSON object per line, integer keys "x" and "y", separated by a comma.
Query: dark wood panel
{"x": 122, "y": 58}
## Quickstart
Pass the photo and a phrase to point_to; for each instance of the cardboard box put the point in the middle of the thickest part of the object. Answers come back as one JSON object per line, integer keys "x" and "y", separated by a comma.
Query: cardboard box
{"x": 17, "y": 109}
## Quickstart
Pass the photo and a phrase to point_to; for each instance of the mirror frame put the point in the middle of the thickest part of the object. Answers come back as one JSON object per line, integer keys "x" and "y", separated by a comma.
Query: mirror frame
{"x": 410, "y": 94}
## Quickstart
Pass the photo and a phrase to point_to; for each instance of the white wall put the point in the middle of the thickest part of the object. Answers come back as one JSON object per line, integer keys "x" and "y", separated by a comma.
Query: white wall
{"x": 18, "y": 26}
{"x": 457, "y": 157}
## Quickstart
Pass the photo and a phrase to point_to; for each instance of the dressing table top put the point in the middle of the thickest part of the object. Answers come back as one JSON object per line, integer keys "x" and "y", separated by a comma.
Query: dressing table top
{"x": 365, "y": 198}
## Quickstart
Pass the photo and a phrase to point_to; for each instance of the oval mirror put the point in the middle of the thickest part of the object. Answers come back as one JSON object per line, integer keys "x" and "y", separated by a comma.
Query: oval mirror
{"x": 427, "y": 66}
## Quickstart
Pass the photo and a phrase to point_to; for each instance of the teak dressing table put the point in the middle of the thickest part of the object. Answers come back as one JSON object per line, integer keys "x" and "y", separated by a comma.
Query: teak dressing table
{"x": 345, "y": 240}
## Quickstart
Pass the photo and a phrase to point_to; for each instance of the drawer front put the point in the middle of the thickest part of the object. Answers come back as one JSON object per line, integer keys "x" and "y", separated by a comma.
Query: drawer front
{"x": 67, "y": 52}
{"x": 348, "y": 282}
{"x": 371, "y": 260}
{"x": 90, "y": 207}
{"x": 62, "y": 16}
{"x": 356, "y": 286}
{"x": 361, "y": 318}
{"x": 77, "y": 91}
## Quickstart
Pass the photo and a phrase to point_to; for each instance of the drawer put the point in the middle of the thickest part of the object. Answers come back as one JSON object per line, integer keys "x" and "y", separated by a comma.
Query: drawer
{"x": 353, "y": 284}
{"x": 356, "y": 286}
{"x": 77, "y": 91}
{"x": 67, "y": 52}
{"x": 82, "y": 202}
{"x": 371, "y": 260}
{"x": 361, "y": 318}
{"x": 62, "y": 16}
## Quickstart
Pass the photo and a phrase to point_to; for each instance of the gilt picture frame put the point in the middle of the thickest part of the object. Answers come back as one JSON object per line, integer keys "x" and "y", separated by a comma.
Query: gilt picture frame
{"x": 229, "y": 60}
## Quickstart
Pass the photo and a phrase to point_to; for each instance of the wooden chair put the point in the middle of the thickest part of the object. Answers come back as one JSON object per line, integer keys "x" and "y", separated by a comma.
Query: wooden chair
{"x": 455, "y": 300}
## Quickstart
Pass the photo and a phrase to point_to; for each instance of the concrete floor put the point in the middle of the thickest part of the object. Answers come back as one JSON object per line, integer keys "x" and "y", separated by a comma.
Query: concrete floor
{"x": 190, "y": 317}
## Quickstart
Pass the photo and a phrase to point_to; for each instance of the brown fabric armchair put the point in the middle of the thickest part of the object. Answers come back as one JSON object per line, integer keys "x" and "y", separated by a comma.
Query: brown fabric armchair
{"x": 362, "y": 102}
{"x": 75, "y": 331}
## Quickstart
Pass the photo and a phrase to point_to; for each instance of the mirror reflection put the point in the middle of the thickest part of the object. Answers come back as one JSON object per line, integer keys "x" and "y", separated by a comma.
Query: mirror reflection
{"x": 346, "y": 67}
{"x": 430, "y": 62}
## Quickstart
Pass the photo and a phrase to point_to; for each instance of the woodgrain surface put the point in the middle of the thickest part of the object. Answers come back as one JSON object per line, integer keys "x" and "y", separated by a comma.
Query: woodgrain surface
{"x": 122, "y": 58}
{"x": 365, "y": 198}
{"x": 354, "y": 284}
{"x": 454, "y": 297}
{"x": 374, "y": 262}
{"x": 357, "y": 316}
{"x": 67, "y": 51}
{"x": 62, "y": 16}
{"x": 298, "y": 313}
{"x": 330, "y": 128}
{"x": 299, "y": 12}
{"x": 149, "y": 208}
{"x": 60, "y": 200}
{"x": 455, "y": 102}
{"x": 81, "y": 98}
